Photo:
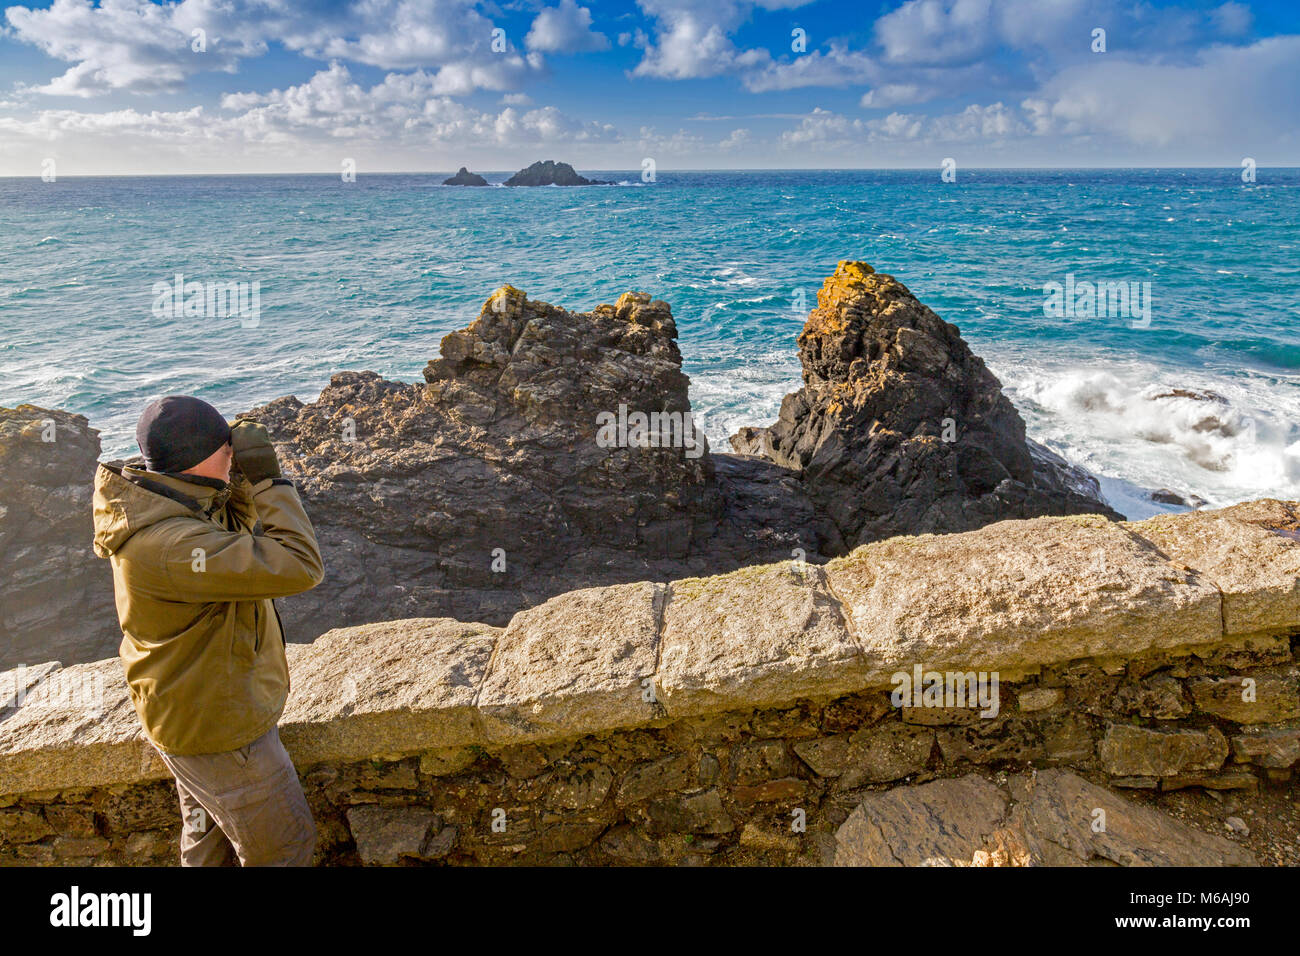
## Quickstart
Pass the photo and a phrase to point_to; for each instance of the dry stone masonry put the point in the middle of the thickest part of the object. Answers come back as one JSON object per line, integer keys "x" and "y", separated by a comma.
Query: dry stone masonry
{"x": 748, "y": 717}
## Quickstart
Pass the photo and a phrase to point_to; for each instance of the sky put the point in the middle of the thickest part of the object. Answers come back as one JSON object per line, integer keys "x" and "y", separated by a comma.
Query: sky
{"x": 272, "y": 86}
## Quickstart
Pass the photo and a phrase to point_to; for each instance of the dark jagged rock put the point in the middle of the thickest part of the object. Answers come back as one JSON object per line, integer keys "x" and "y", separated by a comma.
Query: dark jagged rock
{"x": 486, "y": 489}
{"x": 551, "y": 173}
{"x": 1165, "y": 496}
{"x": 900, "y": 428}
{"x": 1054, "y": 474}
{"x": 464, "y": 177}
{"x": 1192, "y": 394}
{"x": 57, "y": 599}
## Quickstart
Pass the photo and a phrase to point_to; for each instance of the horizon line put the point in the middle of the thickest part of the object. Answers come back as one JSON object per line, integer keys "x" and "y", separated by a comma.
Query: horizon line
{"x": 636, "y": 172}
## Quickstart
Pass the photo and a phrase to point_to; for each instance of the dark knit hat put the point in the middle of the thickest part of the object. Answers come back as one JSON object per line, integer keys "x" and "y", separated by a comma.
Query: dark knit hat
{"x": 179, "y": 432}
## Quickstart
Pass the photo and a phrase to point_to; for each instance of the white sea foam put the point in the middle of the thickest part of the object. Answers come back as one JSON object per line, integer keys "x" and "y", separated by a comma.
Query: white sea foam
{"x": 1224, "y": 440}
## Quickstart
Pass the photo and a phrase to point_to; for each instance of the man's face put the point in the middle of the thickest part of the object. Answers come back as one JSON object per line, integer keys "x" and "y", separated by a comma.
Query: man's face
{"x": 216, "y": 465}
{"x": 225, "y": 455}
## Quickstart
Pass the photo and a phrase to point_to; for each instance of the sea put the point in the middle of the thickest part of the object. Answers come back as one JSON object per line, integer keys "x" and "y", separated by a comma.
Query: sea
{"x": 1190, "y": 382}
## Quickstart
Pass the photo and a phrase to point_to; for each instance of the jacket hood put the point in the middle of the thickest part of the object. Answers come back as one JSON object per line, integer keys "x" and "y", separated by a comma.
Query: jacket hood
{"x": 128, "y": 500}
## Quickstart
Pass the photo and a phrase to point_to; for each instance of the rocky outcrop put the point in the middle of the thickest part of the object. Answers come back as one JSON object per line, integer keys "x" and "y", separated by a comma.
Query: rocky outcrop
{"x": 900, "y": 428}
{"x": 549, "y": 450}
{"x": 494, "y": 485}
{"x": 551, "y": 173}
{"x": 57, "y": 599}
{"x": 464, "y": 177}
{"x": 1165, "y": 496}
{"x": 695, "y": 721}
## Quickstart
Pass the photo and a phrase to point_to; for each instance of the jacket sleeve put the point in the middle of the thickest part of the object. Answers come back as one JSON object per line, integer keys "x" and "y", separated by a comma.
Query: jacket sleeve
{"x": 241, "y": 502}
{"x": 202, "y": 563}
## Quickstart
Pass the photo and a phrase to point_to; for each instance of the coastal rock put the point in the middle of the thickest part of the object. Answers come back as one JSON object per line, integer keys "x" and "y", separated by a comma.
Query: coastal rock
{"x": 518, "y": 471}
{"x": 1165, "y": 496}
{"x": 551, "y": 173}
{"x": 1042, "y": 819}
{"x": 900, "y": 428}
{"x": 1054, "y": 474}
{"x": 1193, "y": 394}
{"x": 464, "y": 177}
{"x": 57, "y": 599}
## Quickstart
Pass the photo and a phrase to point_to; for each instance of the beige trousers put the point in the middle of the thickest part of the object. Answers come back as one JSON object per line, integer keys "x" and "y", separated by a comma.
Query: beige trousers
{"x": 245, "y": 804}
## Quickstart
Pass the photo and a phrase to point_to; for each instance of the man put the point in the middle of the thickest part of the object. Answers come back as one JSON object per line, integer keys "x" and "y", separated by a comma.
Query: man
{"x": 198, "y": 557}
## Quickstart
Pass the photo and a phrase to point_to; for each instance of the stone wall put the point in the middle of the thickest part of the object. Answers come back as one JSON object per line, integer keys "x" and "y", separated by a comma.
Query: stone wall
{"x": 747, "y": 717}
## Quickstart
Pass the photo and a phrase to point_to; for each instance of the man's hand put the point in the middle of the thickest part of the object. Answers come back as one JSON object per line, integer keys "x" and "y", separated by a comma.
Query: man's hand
{"x": 254, "y": 453}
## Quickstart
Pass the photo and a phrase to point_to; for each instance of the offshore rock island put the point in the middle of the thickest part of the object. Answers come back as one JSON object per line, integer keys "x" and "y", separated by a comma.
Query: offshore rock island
{"x": 464, "y": 177}
{"x": 551, "y": 173}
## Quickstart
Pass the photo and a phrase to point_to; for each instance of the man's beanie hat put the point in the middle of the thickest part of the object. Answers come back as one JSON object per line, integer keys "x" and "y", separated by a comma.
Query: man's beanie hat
{"x": 179, "y": 432}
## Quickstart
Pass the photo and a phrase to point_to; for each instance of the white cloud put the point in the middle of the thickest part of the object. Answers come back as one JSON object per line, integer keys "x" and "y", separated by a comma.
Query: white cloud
{"x": 1232, "y": 19}
{"x": 330, "y": 109}
{"x": 895, "y": 126}
{"x": 825, "y": 129}
{"x": 1239, "y": 97}
{"x": 143, "y": 47}
{"x": 652, "y": 143}
{"x": 688, "y": 46}
{"x": 822, "y": 127}
{"x": 938, "y": 31}
{"x": 692, "y": 40}
{"x": 893, "y": 94}
{"x": 977, "y": 122}
{"x": 397, "y": 34}
{"x": 839, "y": 66}
{"x": 1050, "y": 32}
{"x": 404, "y": 107}
{"x": 638, "y": 39}
{"x": 124, "y": 44}
{"x": 53, "y": 125}
{"x": 738, "y": 139}
{"x": 565, "y": 29}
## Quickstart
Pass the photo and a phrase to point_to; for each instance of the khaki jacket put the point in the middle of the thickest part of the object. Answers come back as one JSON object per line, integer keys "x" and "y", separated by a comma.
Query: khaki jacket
{"x": 196, "y": 564}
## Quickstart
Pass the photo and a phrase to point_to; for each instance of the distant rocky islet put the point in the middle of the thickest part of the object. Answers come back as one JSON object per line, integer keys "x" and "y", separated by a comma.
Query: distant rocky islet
{"x": 464, "y": 177}
{"x": 541, "y": 173}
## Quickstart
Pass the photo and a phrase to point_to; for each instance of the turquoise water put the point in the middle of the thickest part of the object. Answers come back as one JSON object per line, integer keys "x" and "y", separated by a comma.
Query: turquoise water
{"x": 371, "y": 274}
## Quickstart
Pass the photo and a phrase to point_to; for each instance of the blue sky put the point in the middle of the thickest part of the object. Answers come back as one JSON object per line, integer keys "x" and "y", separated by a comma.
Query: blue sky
{"x": 128, "y": 86}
